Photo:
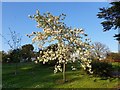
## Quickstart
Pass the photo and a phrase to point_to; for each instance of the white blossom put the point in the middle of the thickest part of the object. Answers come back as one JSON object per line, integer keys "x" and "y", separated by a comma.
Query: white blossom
{"x": 69, "y": 41}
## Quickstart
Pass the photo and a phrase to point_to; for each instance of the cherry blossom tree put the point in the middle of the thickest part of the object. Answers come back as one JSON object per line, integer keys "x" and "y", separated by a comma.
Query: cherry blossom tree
{"x": 69, "y": 41}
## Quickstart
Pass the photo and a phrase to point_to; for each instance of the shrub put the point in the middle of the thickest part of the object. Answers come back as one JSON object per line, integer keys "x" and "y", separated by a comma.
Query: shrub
{"x": 102, "y": 69}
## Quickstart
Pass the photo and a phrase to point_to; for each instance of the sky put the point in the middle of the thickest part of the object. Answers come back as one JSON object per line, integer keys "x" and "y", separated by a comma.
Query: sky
{"x": 58, "y": 0}
{"x": 79, "y": 15}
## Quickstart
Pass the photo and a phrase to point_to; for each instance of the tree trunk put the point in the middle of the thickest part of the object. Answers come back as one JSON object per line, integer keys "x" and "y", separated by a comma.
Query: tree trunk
{"x": 118, "y": 46}
{"x": 16, "y": 69}
{"x": 118, "y": 41}
{"x": 64, "y": 77}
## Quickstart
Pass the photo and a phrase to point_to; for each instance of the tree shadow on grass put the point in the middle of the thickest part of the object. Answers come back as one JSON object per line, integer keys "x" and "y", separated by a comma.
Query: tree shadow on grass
{"x": 26, "y": 77}
{"x": 40, "y": 76}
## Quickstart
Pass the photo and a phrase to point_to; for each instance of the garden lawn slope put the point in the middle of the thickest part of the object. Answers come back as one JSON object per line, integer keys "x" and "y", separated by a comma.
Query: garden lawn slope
{"x": 32, "y": 75}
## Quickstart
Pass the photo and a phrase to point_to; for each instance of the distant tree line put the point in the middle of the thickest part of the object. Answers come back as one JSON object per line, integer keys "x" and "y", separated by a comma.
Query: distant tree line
{"x": 23, "y": 54}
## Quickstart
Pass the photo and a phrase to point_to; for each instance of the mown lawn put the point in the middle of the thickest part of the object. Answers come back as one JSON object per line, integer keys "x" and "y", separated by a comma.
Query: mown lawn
{"x": 32, "y": 75}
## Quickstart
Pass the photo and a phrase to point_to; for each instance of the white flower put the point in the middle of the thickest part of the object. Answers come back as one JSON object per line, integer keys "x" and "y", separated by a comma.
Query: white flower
{"x": 58, "y": 66}
{"x": 63, "y": 61}
{"x": 38, "y": 26}
{"x": 73, "y": 69}
{"x": 36, "y": 62}
{"x": 38, "y": 58}
{"x": 56, "y": 18}
{"x": 49, "y": 20}
{"x": 71, "y": 39}
{"x": 37, "y": 11}
{"x": 40, "y": 52}
{"x": 55, "y": 71}
{"x": 60, "y": 69}
{"x": 29, "y": 16}
{"x": 54, "y": 27}
{"x": 43, "y": 62}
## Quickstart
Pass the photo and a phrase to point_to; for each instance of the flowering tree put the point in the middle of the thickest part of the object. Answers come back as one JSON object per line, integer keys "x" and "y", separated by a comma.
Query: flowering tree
{"x": 69, "y": 41}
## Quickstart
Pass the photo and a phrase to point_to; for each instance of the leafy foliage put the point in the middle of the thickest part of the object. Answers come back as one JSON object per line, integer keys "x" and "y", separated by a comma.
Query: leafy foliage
{"x": 111, "y": 16}
{"x": 0, "y": 56}
{"x": 102, "y": 69}
{"x": 4, "y": 56}
{"x": 27, "y": 52}
{"x": 18, "y": 55}
{"x": 13, "y": 56}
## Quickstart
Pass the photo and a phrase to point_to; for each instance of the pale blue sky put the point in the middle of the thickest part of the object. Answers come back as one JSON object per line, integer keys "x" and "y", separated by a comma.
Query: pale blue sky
{"x": 79, "y": 14}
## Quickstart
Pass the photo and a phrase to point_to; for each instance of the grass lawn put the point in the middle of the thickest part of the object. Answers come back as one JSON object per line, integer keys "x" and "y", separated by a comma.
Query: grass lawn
{"x": 32, "y": 75}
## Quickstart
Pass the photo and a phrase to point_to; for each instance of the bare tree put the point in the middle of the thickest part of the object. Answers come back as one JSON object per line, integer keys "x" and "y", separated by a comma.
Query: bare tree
{"x": 99, "y": 51}
{"x": 14, "y": 42}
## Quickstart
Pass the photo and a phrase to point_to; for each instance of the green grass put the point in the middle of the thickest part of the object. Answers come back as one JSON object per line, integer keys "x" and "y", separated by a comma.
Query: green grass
{"x": 116, "y": 66}
{"x": 32, "y": 75}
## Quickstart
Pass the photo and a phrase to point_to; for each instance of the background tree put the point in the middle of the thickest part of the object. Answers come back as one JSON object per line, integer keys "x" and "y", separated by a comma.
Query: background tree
{"x": 14, "y": 43}
{"x": 18, "y": 55}
{"x": 68, "y": 40}
{"x": 27, "y": 52}
{"x": 99, "y": 51}
{"x": 15, "y": 56}
{"x": 0, "y": 56}
{"x": 111, "y": 18}
{"x": 5, "y": 57}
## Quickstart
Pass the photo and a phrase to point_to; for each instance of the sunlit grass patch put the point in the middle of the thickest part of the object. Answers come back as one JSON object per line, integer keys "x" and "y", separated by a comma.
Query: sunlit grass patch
{"x": 25, "y": 68}
{"x": 41, "y": 76}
